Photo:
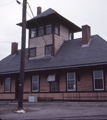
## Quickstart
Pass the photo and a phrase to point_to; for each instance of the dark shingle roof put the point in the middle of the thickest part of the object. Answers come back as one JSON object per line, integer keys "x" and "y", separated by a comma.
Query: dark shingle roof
{"x": 51, "y": 14}
{"x": 71, "y": 54}
{"x": 45, "y": 13}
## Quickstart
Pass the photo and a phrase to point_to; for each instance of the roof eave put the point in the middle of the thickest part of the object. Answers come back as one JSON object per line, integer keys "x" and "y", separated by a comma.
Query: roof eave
{"x": 57, "y": 67}
{"x": 53, "y": 16}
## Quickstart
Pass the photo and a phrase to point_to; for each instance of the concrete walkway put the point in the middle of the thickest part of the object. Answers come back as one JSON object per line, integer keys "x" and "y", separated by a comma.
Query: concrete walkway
{"x": 54, "y": 111}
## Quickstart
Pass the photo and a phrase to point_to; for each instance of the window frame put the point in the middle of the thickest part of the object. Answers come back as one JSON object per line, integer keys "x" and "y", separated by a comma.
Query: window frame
{"x": 70, "y": 35}
{"x": 71, "y": 80}
{"x": 97, "y": 79}
{"x": 58, "y": 28}
{"x": 9, "y": 85}
{"x": 35, "y": 34}
{"x": 47, "y": 26}
{"x": 46, "y": 46}
{"x": 30, "y": 54}
{"x": 40, "y": 28}
{"x": 54, "y": 84}
{"x": 38, "y": 82}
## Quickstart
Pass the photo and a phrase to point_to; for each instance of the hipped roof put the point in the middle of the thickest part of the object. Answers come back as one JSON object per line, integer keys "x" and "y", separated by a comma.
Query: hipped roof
{"x": 51, "y": 15}
{"x": 71, "y": 55}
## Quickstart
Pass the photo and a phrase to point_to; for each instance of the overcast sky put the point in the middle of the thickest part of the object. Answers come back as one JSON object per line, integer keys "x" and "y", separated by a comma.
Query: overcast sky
{"x": 80, "y": 12}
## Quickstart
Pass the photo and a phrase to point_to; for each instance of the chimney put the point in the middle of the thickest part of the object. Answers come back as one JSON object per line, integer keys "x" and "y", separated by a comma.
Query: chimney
{"x": 39, "y": 9}
{"x": 14, "y": 48}
{"x": 86, "y": 34}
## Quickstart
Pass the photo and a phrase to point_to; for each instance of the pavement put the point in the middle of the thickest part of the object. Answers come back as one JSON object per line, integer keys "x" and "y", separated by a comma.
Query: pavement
{"x": 54, "y": 111}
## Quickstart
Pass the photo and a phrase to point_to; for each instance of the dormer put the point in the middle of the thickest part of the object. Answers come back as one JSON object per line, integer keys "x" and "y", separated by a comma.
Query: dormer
{"x": 47, "y": 32}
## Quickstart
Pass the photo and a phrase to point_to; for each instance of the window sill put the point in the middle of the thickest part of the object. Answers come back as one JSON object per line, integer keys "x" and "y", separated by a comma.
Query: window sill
{"x": 40, "y": 36}
{"x": 48, "y": 56}
{"x": 98, "y": 90}
{"x": 57, "y": 34}
{"x": 35, "y": 92}
{"x": 71, "y": 90}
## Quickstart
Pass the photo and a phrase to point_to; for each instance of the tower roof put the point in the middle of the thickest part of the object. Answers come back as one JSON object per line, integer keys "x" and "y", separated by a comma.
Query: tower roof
{"x": 48, "y": 16}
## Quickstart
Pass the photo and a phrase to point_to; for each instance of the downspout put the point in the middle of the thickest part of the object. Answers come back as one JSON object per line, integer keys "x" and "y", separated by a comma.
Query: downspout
{"x": 53, "y": 31}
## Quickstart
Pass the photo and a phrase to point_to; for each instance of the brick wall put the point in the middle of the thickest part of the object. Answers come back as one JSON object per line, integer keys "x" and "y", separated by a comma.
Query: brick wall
{"x": 58, "y": 40}
{"x": 1, "y": 85}
{"x": 27, "y": 83}
{"x": 13, "y": 83}
{"x": 44, "y": 85}
{"x": 105, "y": 73}
{"x": 84, "y": 87}
{"x": 62, "y": 81}
{"x": 85, "y": 82}
{"x": 39, "y": 43}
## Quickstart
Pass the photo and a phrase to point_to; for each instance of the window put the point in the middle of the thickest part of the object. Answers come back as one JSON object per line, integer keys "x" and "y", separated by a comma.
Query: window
{"x": 35, "y": 83}
{"x": 48, "y": 49}
{"x": 70, "y": 36}
{"x": 98, "y": 80}
{"x": 57, "y": 29}
{"x": 48, "y": 28}
{"x": 54, "y": 86}
{"x": 41, "y": 31}
{"x": 71, "y": 81}
{"x": 32, "y": 52}
{"x": 7, "y": 84}
{"x": 33, "y": 33}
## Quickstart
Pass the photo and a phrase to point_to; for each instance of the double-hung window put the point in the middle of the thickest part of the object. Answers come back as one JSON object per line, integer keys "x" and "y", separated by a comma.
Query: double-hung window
{"x": 33, "y": 32}
{"x": 7, "y": 84}
{"x": 54, "y": 86}
{"x": 71, "y": 81}
{"x": 35, "y": 83}
{"x": 98, "y": 80}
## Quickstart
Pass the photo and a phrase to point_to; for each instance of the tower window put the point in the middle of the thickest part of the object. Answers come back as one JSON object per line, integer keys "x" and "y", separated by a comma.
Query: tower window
{"x": 48, "y": 49}
{"x": 32, "y": 52}
{"x": 41, "y": 31}
{"x": 70, "y": 35}
{"x": 57, "y": 29}
{"x": 33, "y": 33}
{"x": 48, "y": 28}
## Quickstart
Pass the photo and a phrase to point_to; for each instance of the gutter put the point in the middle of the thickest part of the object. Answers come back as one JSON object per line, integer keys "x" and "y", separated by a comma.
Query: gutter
{"x": 56, "y": 67}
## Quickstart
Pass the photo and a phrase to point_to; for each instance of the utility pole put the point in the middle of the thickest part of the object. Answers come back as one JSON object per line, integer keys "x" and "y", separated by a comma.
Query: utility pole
{"x": 22, "y": 60}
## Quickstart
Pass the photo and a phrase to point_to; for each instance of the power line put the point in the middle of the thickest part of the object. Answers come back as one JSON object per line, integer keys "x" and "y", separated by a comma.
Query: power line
{"x": 7, "y": 4}
{"x": 21, "y": 5}
{"x": 38, "y": 27}
{"x": 11, "y": 42}
{"x": 35, "y": 21}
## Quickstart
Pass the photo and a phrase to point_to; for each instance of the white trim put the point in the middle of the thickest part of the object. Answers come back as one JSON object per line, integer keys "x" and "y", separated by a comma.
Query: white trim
{"x": 36, "y": 82}
{"x": 51, "y": 78}
{"x": 87, "y": 45}
{"x": 72, "y": 80}
{"x": 8, "y": 84}
{"x": 98, "y": 78}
